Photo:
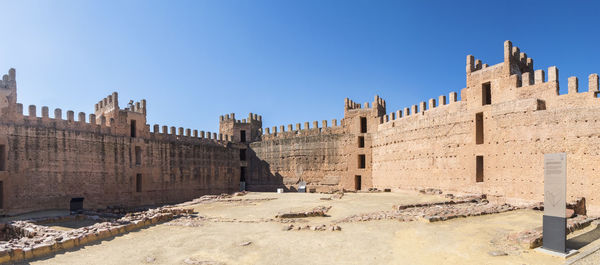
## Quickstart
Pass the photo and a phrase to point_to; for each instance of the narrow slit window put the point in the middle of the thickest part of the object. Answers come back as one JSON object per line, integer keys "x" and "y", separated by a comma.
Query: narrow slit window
{"x": 1, "y": 195}
{"x": 361, "y": 141}
{"x": 138, "y": 155}
{"x": 138, "y": 183}
{"x": 242, "y": 154}
{"x": 363, "y": 124}
{"x": 479, "y": 128}
{"x": 133, "y": 129}
{"x": 479, "y": 169}
{"x": 486, "y": 94}
{"x": 243, "y": 136}
{"x": 357, "y": 182}
{"x": 2, "y": 157}
{"x": 361, "y": 161}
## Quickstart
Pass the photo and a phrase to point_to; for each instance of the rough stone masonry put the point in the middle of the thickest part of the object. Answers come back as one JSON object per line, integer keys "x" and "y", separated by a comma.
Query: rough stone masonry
{"x": 490, "y": 141}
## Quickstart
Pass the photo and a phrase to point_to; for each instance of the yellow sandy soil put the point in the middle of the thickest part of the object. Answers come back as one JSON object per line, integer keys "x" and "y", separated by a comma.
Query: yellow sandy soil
{"x": 458, "y": 241}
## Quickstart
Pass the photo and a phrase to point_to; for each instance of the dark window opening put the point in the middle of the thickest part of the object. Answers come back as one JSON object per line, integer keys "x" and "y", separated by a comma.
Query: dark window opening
{"x": 243, "y": 174}
{"x": 2, "y": 157}
{"x": 1, "y": 195}
{"x": 243, "y": 136}
{"x": 138, "y": 183}
{"x": 479, "y": 128}
{"x": 479, "y": 169}
{"x": 361, "y": 161}
{"x": 363, "y": 124}
{"x": 361, "y": 141}
{"x": 486, "y": 94}
{"x": 76, "y": 204}
{"x": 242, "y": 154}
{"x": 357, "y": 182}
{"x": 132, "y": 128}
{"x": 138, "y": 155}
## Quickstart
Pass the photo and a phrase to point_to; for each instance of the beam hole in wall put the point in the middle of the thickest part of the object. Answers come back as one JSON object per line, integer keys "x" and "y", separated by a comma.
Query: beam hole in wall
{"x": 479, "y": 128}
{"x": 363, "y": 124}
{"x": 486, "y": 93}
{"x": 479, "y": 169}
{"x": 361, "y": 161}
{"x": 361, "y": 141}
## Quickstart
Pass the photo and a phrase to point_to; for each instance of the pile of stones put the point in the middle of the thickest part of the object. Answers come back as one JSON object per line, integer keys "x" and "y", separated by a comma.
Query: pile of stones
{"x": 319, "y": 211}
{"x": 434, "y": 212}
{"x": 530, "y": 239}
{"x": 322, "y": 227}
{"x": 28, "y": 238}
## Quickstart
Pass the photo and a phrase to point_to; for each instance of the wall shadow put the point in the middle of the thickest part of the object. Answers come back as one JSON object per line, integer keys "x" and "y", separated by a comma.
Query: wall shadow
{"x": 583, "y": 240}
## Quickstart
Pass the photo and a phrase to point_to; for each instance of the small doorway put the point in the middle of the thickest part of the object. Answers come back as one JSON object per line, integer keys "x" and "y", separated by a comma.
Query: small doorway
{"x": 76, "y": 204}
{"x": 357, "y": 182}
{"x": 242, "y": 178}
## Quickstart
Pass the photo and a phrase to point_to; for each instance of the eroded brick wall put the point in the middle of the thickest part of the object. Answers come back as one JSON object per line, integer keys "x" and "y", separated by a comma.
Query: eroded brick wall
{"x": 49, "y": 162}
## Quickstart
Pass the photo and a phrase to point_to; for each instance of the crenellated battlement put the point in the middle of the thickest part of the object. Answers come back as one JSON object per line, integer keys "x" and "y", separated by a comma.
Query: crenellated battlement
{"x": 422, "y": 108}
{"x": 180, "y": 133}
{"x": 474, "y": 64}
{"x": 244, "y": 130}
{"x": 290, "y": 130}
{"x": 252, "y": 117}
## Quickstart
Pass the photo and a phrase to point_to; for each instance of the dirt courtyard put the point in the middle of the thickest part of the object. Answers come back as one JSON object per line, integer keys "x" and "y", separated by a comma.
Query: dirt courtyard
{"x": 244, "y": 230}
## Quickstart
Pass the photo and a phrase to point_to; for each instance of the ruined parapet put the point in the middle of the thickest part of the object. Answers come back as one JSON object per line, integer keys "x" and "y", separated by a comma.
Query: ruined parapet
{"x": 137, "y": 107}
{"x": 350, "y": 104}
{"x": 515, "y": 61}
{"x": 8, "y": 94}
{"x": 107, "y": 105}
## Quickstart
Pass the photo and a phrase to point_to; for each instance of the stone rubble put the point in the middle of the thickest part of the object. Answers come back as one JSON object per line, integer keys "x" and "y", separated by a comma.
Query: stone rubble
{"x": 26, "y": 239}
{"x": 431, "y": 191}
{"x": 533, "y": 238}
{"x": 319, "y": 211}
{"x": 433, "y": 212}
{"x": 322, "y": 227}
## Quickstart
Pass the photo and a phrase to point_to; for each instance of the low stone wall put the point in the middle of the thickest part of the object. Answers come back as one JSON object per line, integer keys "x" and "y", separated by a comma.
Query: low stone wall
{"x": 29, "y": 239}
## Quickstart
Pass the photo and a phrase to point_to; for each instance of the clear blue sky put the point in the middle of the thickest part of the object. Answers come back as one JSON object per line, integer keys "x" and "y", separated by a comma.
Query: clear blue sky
{"x": 290, "y": 61}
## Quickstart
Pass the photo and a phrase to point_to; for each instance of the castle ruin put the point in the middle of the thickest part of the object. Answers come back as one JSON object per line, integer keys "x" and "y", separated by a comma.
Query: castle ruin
{"x": 491, "y": 141}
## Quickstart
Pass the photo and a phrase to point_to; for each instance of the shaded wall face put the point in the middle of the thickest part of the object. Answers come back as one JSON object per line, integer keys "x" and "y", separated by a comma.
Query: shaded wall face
{"x": 46, "y": 166}
{"x": 283, "y": 161}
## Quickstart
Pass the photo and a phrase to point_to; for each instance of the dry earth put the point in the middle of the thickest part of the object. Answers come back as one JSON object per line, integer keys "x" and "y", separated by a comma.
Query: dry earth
{"x": 244, "y": 230}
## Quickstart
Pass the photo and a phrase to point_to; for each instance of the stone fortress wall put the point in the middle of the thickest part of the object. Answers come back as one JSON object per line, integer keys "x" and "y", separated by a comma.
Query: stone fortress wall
{"x": 109, "y": 158}
{"x": 490, "y": 141}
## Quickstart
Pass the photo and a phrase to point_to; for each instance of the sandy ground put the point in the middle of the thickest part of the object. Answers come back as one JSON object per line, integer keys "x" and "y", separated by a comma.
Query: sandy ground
{"x": 458, "y": 241}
